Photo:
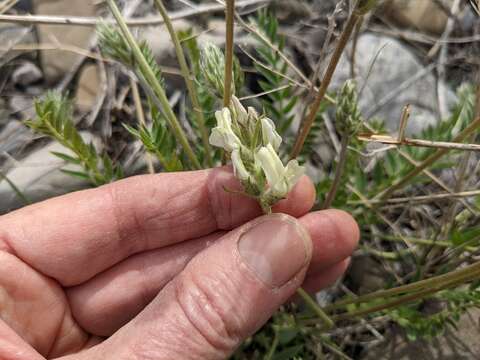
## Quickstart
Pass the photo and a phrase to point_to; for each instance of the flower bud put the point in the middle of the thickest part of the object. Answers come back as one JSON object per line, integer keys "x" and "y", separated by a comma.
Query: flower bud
{"x": 212, "y": 64}
{"x": 348, "y": 118}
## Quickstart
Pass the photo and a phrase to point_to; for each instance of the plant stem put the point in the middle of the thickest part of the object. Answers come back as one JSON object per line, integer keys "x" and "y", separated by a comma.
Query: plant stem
{"x": 230, "y": 13}
{"x": 273, "y": 347}
{"x": 327, "y": 78}
{"x": 155, "y": 84}
{"x": 428, "y": 161}
{"x": 141, "y": 119}
{"x": 407, "y": 298}
{"x": 15, "y": 189}
{"x": 312, "y": 304}
{"x": 188, "y": 81}
{"x": 338, "y": 172}
{"x": 453, "y": 277}
{"x": 427, "y": 242}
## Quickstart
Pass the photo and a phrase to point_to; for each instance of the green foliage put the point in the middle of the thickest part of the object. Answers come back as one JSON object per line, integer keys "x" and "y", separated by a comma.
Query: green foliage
{"x": 208, "y": 102}
{"x": 347, "y": 116}
{"x": 282, "y": 338}
{"x": 452, "y": 303}
{"x": 212, "y": 70}
{"x": 158, "y": 141}
{"x": 54, "y": 119}
{"x": 113, "y": 45}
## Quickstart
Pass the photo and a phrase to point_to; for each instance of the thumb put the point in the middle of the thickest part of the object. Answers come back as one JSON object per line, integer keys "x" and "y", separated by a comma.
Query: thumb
{"x": 225, "y": 294}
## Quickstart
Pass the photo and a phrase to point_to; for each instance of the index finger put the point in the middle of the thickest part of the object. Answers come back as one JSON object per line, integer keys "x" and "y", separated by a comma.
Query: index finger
{"x": 76, "y": 236}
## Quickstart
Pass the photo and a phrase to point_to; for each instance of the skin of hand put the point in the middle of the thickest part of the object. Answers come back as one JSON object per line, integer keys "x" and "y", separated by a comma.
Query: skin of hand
{"x": 165, "y": 266}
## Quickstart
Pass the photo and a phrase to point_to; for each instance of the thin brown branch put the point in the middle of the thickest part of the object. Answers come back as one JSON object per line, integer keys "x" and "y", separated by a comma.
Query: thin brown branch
{"x": 227, "y": 86}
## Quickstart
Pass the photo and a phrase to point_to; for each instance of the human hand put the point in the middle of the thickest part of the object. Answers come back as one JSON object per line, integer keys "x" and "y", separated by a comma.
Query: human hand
{"x": 163, "y": 266}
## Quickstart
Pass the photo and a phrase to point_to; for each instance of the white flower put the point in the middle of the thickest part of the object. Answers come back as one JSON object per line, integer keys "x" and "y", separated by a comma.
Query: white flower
{"x": 238, "y": 167}
{"x": 223, "y": 135}
{"x": 281, "y": 179}
{"x": 269, "y": 134}
{"x": 239, "y": 112}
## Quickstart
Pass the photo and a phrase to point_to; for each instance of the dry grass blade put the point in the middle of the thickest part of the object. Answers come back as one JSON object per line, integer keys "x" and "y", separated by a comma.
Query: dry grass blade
{"x": 429, "y": 161}
{"x": 387, "y": 139}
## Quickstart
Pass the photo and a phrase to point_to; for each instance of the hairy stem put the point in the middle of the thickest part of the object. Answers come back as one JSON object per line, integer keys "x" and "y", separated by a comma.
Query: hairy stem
{"x": 155, "y": 84}
{"x": 192, "y": 91}
{"x": 312, "y": 304}
{"x": 273, "y": 347}
{"x": 141, "y": 119}
{"x": 409, "y": 298}
{"x": 450, "y": 279}
{"x": 338, "y": 172}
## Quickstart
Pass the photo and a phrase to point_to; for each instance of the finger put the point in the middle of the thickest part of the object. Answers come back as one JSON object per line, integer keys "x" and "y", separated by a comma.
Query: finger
{"x": 13, "y": 346}
{"x": 223, "y": 295}
{"x": 35, "y": 307}
{"x": 335, "y": 235}
{"x": 89, "y": 231}
{"x": 111, "y": 299}
{"x": 321, "y": 280}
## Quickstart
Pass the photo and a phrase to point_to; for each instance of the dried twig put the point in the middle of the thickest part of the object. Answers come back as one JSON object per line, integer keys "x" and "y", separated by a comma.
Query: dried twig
{"x": 94, "y": 21}
{"x": 470, "y": 129}
{"x": 229, "y": 15}
{"x": 420, "y": 198}
{"x": 386, "y": 139}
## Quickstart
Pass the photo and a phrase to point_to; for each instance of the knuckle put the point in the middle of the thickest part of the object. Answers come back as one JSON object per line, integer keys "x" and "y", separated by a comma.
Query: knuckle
{"x": 210, "y": 305}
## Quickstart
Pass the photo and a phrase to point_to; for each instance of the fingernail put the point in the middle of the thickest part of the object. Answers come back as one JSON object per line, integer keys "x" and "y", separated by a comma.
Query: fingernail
{"x": 275, "y": 249}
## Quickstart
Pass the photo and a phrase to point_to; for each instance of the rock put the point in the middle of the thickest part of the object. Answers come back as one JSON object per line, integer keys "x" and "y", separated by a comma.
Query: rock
{"x": 461, "y": 344}
{"x": 14, "y": 136}
{"x": 425, "y": 15}
{"x": 88, "y": 88}
{"x": 393, "y": 65}
{"x": 38, "y": 177}
{"x": 57, "y": 63}
{"x": 22, "y": 105}
{"x": 27, "y": 74}
{"x": 160, "y": 42}
{"x": 366, "y": 275}
{"x": 11, "y": 35}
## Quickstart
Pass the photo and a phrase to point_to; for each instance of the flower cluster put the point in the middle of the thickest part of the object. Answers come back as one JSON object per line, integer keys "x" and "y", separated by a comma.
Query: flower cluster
{"x": 348, "y": 117}
{"x": 253, "y": 143}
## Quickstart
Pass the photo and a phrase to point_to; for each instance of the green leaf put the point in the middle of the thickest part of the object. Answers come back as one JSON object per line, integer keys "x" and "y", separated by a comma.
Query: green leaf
{"x": 65, "y": 157}
{"x": 78, "y": 174}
